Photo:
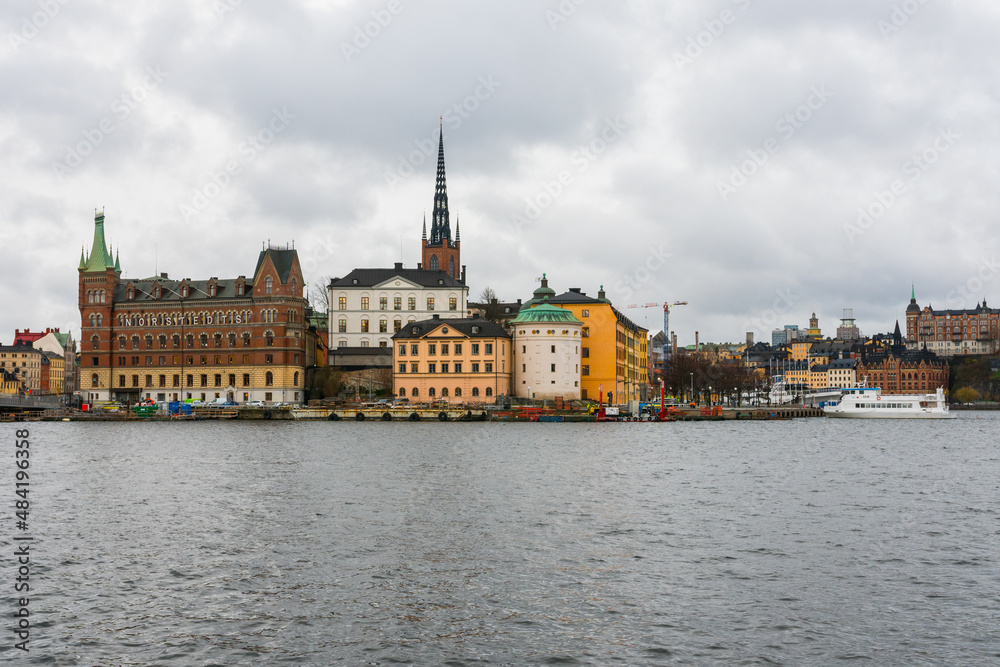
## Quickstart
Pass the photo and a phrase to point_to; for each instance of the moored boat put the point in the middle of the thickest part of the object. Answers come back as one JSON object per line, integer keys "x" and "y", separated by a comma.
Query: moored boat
{"x": 869, "y": 403}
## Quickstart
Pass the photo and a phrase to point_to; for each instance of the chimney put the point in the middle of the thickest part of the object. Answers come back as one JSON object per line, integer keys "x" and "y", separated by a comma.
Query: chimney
{"x": 575, "y": 290}
{"x": 697, "y": 346}
{"x": 164, "y": 275}
{"x": 398, "y": 266}
{"x": 749, "y": 339}
{"x": 463, "y": 274}
{"x": 419, "y": 266}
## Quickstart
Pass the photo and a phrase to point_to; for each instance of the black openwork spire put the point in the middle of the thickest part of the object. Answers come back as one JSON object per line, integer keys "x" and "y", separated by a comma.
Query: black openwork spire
{"x": 440, "y": 222}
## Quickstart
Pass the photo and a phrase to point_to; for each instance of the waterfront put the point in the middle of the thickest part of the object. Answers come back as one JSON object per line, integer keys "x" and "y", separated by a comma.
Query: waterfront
{"x": 800, "y": 542}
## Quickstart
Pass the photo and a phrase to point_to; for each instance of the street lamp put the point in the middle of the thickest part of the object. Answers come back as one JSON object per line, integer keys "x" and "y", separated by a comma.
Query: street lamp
{"x": 692, "y": 385}
{"x": 709, "y": 395}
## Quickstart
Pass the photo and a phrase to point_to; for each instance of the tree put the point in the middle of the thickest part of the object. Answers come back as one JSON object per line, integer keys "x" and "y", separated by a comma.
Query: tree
{"x": 491, "y": 304}
{"x": 319, "y": 295}
{"x": 966, "y": 395}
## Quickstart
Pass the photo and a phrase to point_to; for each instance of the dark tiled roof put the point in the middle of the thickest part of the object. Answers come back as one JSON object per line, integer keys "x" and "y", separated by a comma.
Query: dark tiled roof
{"x": 282, "y": 260}
{"x": 17, "y": 348}
{"x": 170, "y": 290}
{"x": 487, "y": 329}
{"x": 573, "y": 297}
{"x": 372, "y": 277}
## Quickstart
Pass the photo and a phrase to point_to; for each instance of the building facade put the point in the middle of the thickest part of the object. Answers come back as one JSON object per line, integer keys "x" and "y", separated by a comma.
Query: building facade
{"x": 170, "y": 340}
{"x": 613, "y": 349}
{"x": 24, "y": 362}
{"x": 899, "y": 370}
{"x": 369, "y": 306}
{"x": 454, "y": 360}
{"x": 953, "y": 332}
{"x": 53, "y": 342}
{"x": 547, "y": 346}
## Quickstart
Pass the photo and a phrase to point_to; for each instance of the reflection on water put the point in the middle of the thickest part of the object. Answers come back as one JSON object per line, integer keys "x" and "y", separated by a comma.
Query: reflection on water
{"x": 801, "y": 542}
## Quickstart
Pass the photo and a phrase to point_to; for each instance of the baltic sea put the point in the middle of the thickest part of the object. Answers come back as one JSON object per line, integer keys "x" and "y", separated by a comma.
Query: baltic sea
{"x": 811, "y": 541}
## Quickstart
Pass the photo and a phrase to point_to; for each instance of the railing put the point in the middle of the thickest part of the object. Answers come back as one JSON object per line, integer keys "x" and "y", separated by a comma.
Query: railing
{"x": 21, "y": 401}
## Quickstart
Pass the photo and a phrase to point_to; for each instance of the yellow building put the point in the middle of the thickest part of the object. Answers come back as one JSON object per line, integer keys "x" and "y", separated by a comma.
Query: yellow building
{"x": 460, "y": 360}
{"x": 613, "y": 353}
{"x": 10, "y": 383}
{"x": 57, "y": 367}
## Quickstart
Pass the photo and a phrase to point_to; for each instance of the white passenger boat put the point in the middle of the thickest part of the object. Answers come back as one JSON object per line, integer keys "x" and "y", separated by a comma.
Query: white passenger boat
{"x": 869, "y": 403}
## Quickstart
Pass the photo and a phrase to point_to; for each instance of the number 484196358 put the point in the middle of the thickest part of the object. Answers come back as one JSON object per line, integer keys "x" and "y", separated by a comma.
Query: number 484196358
{"x": 21, "y": 485}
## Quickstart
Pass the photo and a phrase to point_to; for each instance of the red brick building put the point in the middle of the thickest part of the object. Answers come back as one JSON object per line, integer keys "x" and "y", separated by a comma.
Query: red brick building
{"x": 898, "y": 370}
{"x": 237, "y": 338}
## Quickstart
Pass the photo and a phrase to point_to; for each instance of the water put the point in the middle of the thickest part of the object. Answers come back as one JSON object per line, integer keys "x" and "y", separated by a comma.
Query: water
{"x": 806, "y": 542}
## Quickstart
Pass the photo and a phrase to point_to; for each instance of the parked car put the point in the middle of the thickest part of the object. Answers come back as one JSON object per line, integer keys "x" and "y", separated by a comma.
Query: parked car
{"x": 256, "y": 404}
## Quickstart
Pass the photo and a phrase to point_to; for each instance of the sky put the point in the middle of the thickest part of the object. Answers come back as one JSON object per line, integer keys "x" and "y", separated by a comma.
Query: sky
{"x": 760, "y": 160}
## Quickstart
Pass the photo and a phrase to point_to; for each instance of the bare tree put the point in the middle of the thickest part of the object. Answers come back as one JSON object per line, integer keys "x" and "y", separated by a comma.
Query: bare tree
{"x": 319, "y": 294}
{"x": 491, "y": 304}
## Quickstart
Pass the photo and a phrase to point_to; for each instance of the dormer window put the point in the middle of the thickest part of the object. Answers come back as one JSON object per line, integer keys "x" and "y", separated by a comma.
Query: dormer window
{"x": 131, "y": 294}
{"x": 156, "y": 291}
{"x": 239, "y": 289}
{"x": 211, "y": 290}
{"x": 184, "y": 291}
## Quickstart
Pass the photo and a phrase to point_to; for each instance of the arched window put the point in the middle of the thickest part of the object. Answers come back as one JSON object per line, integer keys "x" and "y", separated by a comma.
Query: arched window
{"x": 149, "y": 341}
{"x": 135, "y": 342}
{"x": 203, "y": 339}
{"x": 211, "y": 290}
{"x": 184, "y": 291}
{"x": 430, "y": 392}
{"x": 458, "y": 392}
{"x": 444, "y": 392}
{"x": 246, "y": 339}
{"x": 156, "y": 292}
{"x": 93, "y": 320}
{"x": 295, "y": 379}
{"x": 294, "y": 293}
{"x": 218, "y": 339}
{"x": 269, "y": 339}
{"x": 434, "y": 262}
{"x": 239, "y": 289}
{"x": 402, "y": 391}
{"x": 95, "y": 342}
{"x": 232, "y": 340}
{"x": 269, "y": 379}
{"x": 415, "y": 392}
{"x": 268, "y": 285}
{"x": 489, "y": 391}
{"x": 93, "y": 380}
{"x": 102, "y": 296}
{"x": 189, "y": 339}
{"x": 100, "y": 320}
{"x": 162, "y": 339}
{"x": 475, "y": 391}
{"x": 90, "y": 296}
{"x": 176, "y": 340}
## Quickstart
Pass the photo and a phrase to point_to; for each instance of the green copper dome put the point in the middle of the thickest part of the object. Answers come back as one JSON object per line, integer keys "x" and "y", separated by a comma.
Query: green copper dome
{"x": 100, "y": 259}
{"x": 545, "y": 313}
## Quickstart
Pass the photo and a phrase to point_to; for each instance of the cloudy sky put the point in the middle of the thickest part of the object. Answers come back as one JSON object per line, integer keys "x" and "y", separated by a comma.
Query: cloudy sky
{"x": 757, "y": 159}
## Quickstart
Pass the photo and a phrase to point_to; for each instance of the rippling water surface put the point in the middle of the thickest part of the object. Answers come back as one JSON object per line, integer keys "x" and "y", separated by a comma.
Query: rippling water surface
{"x": 805, "y": 542}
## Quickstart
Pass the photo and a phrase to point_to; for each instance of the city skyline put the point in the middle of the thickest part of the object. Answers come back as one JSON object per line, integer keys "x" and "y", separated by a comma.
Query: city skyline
{"x": 759, "y": 162}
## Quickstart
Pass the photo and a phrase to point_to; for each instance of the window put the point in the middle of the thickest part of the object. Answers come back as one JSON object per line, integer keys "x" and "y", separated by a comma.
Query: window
{"x": 402, "y": 368}
{"x": 411, "y": 303}
{"x": 415, "y": 392}
{"x": 585, "y": 370}
{"x": 553, "y": 349}
{"x": 434, "y": 267}
{"x": 162, "y": 340}
{"x": 364, "y": 326}
{"x": 402, "y": 349}
{"x": 232, "y": 340}
{"x": 585, "y": 352}
{"x": 452, "y": 303}
{"x": 268, "y": 285}
{"x": 585, "y": 332}
{"x": 444, "y": 392}
{"x": 204, "y": 379}
{"x": 475, "y": 348}
{"x": 246, "y": 379}
{"x": 458, "y": 369}
{"x": 246, "y": 339}
{"x": 444, "y": 368}
{"x": 430, "y": 392}
{"x": 458, "y": 392}
{"x": 342, "y": 303}
{"x": 396, "y": 326}
{"x": 414, "y": 350}
{"x": 489, "y": 391}
{"x": 364, "y": 303}
{"x": 475, "y": 391}
{"x": 475, "y": 367}
{"x": 553, "y": 368}
{"x": 414, "y": 368}
{"x": 294, "y": 287}
{"x": 218, "y": 379}
{"x": 268, "y": 358}
{"x": 95, "y": 342}
{"x": 383, "y": 326}
{"x": 431, "y": 348}
{"x": 432, "y": 368}
{"x": 269, "y": 339}
{"x": 383, "y": 303}
{"x": 211, "y": 290}
{"x": 175, "y": 341}
{"x": 190, "y": 380}
{"x": 402, "y": 391}
{"x": 458, "y": 349}
{"x": 135, "y": 342}
{"x": 488, "y": 367}
{"x": 135, "y": 380}
{"x": 397, "y": 303}
{"x": 239, "y": 289}
{"x": 430, "y": 303}
{"x": 218, "y": 340}
{"x": 585, "y": 313}
{"x": 489, "y": 348}
{"x": 295, "y": 379}
{"x": 93, "y": 380}
{"x": 342, "y": 325}
{"x": 176, "y": 380}
{"x": 232, "y": 380}
{"x": 269, "y": 379}
{"x": 184, "y": 291}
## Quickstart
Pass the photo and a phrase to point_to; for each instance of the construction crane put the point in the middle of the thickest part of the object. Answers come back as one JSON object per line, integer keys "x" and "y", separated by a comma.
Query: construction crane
{"x": 667, "y": 342}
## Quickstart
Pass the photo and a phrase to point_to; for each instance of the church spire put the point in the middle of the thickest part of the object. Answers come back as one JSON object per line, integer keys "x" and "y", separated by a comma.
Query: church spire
{"x": 424, "y": 237}
{"x": 440, "y": 221}
{"x": 458, "y": 230}
{"x": 100, "y": 259}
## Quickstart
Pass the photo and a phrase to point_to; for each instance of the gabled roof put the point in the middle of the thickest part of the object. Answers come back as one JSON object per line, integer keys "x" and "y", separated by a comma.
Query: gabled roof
{"x": 282, "y": 260}
{"x": 464, "y": 325}
{"x": 373, "y": 277}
